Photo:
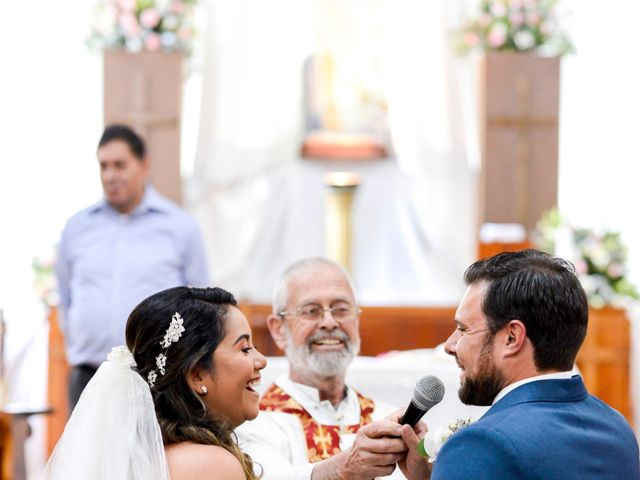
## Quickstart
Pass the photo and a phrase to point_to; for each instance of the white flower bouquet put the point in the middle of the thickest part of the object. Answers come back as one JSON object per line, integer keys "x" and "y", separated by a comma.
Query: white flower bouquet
{"x": 44, "y": 279}
{"x": 143, "y": 25}
{"x": 600, "y": 258}
{"x": 514, "y": 25}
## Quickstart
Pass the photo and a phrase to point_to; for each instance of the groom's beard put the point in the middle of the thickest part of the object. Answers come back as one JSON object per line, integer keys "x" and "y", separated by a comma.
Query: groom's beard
{"x": 321, "y": 364}
{"x": 488, "y": 381}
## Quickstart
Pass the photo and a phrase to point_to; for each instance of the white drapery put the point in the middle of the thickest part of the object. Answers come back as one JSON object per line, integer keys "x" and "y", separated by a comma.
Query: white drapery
{"x": 261, "y": 206}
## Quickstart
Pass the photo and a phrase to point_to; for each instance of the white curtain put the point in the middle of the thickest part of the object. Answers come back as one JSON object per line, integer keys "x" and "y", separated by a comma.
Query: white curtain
{"x": 599, "y": 131}
{"x": 50, "y": 121}
{"x": 261, "y": 206}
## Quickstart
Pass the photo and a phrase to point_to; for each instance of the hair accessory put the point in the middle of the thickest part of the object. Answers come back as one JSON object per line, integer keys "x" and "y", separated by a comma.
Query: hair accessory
{"x": 171, "y": 336}
{"x": 204, "y": 389}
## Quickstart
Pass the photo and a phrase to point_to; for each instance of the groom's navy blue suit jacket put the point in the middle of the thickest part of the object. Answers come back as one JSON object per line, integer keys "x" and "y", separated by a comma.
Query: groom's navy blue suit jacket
{"x": 546, "y": 429}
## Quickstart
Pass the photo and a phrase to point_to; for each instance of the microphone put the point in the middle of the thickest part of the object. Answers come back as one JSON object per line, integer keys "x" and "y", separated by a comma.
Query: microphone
{"x": 428, "y": 392}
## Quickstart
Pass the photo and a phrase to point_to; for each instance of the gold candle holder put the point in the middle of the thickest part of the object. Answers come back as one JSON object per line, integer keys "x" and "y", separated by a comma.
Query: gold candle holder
{"x": 338, "y": 200}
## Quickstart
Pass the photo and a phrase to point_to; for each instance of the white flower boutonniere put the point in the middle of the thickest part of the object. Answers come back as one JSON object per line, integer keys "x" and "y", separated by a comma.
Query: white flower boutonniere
{"x": 432, "y": 442}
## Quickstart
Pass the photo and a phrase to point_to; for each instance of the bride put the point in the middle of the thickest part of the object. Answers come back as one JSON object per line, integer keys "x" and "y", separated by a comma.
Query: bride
{"x": 166, "y": 405}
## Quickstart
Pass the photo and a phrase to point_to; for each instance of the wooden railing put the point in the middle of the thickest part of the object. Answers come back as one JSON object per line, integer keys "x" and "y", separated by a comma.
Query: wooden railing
{"x": 381, "y": 328}
{"x": 604, "y": 359}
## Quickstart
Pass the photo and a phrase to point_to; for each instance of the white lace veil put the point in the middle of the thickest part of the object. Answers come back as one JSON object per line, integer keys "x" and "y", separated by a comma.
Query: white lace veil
{"x": 113, "y": 432}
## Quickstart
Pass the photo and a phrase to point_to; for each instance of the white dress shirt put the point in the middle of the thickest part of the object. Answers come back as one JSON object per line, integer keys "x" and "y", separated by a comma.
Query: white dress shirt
{"x": 546, "y": 376}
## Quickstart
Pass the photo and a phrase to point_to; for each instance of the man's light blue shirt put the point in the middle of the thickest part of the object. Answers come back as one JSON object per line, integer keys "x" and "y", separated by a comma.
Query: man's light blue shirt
{"x": 109, "y": 262}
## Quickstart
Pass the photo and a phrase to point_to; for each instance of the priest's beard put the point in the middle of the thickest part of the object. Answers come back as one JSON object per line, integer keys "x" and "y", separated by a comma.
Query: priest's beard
{"x": 321, "y": 364}
{"x": 488, "y": 381}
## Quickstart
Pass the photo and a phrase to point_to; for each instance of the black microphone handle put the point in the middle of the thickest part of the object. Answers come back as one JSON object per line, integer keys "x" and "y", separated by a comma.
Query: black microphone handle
{"x": 412, "y": 415}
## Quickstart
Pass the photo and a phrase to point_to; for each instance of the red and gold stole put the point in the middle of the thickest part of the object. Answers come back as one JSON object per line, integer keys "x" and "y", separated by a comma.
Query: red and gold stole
{"x": 323, "y": 441}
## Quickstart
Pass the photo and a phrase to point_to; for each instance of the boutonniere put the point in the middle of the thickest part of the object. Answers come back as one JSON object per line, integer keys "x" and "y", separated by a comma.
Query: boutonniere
{"x": 432, "y": 442}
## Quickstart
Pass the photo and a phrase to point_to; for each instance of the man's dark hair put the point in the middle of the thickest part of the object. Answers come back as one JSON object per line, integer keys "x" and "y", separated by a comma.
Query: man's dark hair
{"x": 127, "y": 135}
{"x": 541, "y": 291}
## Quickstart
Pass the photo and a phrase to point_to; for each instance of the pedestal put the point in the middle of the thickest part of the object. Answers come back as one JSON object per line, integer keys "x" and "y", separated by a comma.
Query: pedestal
{"x": 519, "y": 104}
{"x": 144, "y": 91}
{"x": 341, "y": 187}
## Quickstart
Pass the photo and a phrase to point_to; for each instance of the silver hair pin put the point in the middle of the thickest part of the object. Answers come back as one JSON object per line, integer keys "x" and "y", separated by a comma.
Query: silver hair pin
{"x": 171, "y": 336}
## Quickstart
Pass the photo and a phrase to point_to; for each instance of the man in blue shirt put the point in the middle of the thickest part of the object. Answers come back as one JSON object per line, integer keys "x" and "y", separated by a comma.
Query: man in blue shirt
{"x": 115, "y": 253}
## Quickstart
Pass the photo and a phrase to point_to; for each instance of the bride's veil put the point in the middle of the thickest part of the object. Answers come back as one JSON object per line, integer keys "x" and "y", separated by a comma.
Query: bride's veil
{"x": 113, "y": 432}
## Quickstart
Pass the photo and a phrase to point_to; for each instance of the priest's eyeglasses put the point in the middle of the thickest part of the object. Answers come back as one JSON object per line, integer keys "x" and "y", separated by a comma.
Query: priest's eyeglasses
{"x": 315, "y": 313}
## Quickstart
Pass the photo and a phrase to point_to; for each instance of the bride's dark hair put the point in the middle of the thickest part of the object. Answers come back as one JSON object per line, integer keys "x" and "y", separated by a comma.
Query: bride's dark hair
{"x": 181, "y": 413}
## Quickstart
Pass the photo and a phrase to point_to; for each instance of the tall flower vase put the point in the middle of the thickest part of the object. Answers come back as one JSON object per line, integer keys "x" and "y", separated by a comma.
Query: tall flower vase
{"x": 518, "y": 109}
{"x": 144, "y": 90}
{"x": 605, "y": 357}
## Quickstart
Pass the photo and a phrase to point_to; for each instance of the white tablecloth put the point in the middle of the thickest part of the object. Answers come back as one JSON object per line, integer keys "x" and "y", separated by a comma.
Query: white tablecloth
{"x": 391, "y": 378}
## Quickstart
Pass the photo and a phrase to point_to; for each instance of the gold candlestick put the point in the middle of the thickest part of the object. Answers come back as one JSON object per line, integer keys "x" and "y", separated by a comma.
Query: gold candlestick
{"x": 341, "y": 188}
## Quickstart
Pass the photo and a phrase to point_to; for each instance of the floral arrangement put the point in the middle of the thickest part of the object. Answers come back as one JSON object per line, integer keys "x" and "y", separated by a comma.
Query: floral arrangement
{"x": 515, "y": 26}
{"x": 432, "y": 442}
{"x": 44, "y": 279}
{"x": 143, "y": 25}
{"x": 600, "y": 258}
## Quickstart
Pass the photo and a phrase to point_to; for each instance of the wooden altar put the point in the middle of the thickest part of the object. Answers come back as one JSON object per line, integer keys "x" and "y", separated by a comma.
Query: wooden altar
{"x": 605, "y": 358}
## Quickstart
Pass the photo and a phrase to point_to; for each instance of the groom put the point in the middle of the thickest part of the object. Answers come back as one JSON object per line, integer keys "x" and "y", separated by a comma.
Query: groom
{"x": 518, "y": 329}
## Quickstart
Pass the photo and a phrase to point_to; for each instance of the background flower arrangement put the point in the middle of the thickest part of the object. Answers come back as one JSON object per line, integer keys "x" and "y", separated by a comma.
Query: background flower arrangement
{"x": 143, "y": 25}
{"x": 516, "y": 26}
{"x": 600, "y": 258}
{"x": 44, "y": 280}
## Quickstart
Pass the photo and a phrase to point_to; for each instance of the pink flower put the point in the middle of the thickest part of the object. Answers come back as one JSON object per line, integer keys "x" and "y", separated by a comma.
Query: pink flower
{"x": 581, "y": 266}
{"x": 547, "y": 27}
{"x": 484, "y": 19}
{"x": 185, "y": 34}
{"x": 129, "y": 24}
{"x": 516, "y": 19}
{"x": 533, "y": 18}
{"x": 149, "y": 18}
{"x": 152, "y": 42}
{"x": 177, "y": 6}
{"x": 471, "y": 39}
{"x": 498, "y": 9}
{"x": 497, "y": 35}
{"x": 127, "y": 5}
{"x": 615, "y": 270}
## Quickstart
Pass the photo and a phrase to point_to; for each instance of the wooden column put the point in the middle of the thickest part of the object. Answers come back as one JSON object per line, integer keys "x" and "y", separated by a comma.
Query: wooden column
{"x": 519, "y": 104}
{"x": 144, "y": 91}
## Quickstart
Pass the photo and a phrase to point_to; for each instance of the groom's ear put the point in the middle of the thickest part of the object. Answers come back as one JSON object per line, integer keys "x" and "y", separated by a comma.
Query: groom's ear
{"x": 514, "y": 338}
